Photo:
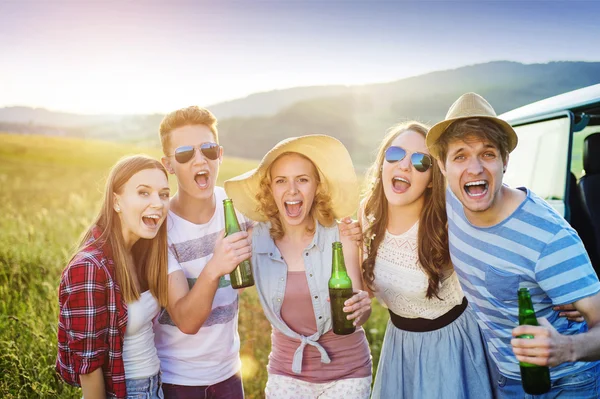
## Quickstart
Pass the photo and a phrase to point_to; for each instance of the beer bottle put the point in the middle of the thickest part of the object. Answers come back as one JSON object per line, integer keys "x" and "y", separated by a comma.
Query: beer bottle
{"x": 340, "y": 289}
{"x": 241, "y": 276}
{"x": 535, "y": 379}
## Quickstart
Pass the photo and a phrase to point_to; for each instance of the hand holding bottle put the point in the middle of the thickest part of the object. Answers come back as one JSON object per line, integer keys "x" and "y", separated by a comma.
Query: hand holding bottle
{"x": 359, "y": 307}
{"x": 340, "y": 290}
{"x": 229, "y": 252}
{"x": 535, "y": 378}
{"x": 548, "y": 347}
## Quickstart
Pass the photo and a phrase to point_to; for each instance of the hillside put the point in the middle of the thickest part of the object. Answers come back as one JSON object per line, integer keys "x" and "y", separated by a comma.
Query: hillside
{"x": 360, "y": 116}
{"x": 357, "y": 115}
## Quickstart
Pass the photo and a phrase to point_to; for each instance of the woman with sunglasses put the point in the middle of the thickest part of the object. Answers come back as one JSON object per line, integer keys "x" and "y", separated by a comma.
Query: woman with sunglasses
{"x": 432, "y": 347}
{"x": 115, "y": 285}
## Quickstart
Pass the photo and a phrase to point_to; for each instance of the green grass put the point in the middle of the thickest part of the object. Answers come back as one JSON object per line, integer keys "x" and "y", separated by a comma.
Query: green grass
{"x": 50, "y": 191}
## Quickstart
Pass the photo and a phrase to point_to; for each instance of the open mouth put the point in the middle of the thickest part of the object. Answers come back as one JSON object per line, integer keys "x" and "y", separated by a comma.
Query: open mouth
{"x": 476, "y": 189}
{"x": 202, "y": 179}
{"x": 400, "y": 184}
{"x": 293, "y": 208}
{"x": 151, "y": 220}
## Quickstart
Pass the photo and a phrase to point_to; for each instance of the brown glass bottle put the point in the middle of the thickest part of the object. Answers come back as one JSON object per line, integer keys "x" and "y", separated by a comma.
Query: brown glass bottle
{"x": 535, "y": 379}
{"x": 340, "y": 290}
{"x": 241, "y": 276}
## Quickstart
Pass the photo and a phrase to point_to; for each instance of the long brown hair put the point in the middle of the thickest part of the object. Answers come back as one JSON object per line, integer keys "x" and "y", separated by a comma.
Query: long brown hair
{"x": 433, "y": 250}
{"x": 321, "y": 210}
{"x": 149, "y": 255}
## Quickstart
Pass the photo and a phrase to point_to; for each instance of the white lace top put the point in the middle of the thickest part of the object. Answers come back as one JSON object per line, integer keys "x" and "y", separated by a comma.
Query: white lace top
{"x": 401, "y": 284}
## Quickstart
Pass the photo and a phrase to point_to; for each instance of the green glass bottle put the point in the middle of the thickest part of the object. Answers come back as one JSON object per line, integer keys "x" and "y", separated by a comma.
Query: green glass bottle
{"x": 535, "y": 379}
{"x": 340, "y": 290}
{"x": 241, "y": 276}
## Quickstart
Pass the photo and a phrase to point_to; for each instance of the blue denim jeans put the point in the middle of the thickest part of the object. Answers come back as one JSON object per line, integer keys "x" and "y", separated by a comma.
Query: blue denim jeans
{"x": 231, "y": 388}
{"x": 580, "y": 385}
{"x": 144, "y": 388}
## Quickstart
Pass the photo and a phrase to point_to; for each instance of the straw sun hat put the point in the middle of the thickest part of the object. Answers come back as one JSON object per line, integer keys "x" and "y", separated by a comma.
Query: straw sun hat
{"x": 333, "y": 163}
{"x": 469, "y": 105}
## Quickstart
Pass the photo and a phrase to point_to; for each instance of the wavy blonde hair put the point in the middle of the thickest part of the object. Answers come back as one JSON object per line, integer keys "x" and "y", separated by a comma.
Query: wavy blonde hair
{"x": 149, "y": 255}
{"x": 320, "y": 210}
{"x": 432, "y": 240}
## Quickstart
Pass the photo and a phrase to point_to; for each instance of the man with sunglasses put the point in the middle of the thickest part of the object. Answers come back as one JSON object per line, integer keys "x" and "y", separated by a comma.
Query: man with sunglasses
{"x": 503, "y": 238}
{"x": 196, "y": 336}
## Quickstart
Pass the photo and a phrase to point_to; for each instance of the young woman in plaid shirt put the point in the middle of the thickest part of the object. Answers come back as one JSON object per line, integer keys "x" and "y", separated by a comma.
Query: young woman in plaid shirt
{"x": 114, "y": 286}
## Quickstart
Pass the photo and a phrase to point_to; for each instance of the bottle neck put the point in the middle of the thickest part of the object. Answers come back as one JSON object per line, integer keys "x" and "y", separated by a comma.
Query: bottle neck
{"x": 337, "y": 262}
{"x": 526, "y": 311}
{"x": 231, "y": 222}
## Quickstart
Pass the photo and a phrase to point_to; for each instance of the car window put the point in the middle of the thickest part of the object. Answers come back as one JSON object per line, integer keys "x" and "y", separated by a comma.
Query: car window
{"x": 577, "y": 154}
{"x": 540, "y": 160}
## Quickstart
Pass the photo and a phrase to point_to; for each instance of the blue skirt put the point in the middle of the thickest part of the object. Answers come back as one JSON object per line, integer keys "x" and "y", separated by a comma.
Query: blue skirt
{"x": 446, "y": 363}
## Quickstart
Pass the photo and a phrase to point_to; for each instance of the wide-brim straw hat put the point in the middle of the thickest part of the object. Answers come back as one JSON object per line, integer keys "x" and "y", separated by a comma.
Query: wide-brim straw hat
{"x": 469, "y": 105}
{"x": 333, "y": 164}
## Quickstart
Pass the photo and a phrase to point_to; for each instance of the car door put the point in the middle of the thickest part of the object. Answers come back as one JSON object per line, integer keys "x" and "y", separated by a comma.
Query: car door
{"x": 542, "y": 159}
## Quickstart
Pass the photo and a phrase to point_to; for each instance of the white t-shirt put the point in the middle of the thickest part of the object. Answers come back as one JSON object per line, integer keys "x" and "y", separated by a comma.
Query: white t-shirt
{"x": 139, "y": 353}
{"x": 211, "y": 355}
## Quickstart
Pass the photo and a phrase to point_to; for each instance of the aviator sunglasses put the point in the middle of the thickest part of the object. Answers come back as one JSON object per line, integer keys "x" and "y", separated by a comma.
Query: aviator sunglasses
{"x": 184, "y": 153}
{"x": 420, "y": 161}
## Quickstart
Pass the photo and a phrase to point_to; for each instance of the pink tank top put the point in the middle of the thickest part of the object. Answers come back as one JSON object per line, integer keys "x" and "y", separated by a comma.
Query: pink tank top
{"x": 350, "y": 355}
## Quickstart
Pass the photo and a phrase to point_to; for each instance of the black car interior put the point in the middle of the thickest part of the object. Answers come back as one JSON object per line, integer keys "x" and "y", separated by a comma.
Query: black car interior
{"x": 584, "y": 196}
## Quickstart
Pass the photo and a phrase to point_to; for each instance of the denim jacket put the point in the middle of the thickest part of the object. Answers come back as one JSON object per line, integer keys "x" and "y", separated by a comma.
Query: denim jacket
{"x": 270, "y": 276}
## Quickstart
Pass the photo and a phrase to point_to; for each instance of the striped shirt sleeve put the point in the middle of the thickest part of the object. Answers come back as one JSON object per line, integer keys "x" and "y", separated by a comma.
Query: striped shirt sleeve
{"x": 564, "y": 270}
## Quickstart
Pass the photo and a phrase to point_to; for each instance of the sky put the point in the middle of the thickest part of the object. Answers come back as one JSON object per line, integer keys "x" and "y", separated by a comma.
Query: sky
{"x": 123, "y": 57}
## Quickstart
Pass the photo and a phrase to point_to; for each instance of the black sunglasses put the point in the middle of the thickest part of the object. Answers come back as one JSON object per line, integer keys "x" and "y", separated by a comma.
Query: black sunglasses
{"x": 185, "y": 153}
{"x": 420, "y": 161}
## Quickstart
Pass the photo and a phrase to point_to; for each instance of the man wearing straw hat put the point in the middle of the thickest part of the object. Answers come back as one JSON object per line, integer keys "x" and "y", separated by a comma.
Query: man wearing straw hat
{"x": 504, "y": 238}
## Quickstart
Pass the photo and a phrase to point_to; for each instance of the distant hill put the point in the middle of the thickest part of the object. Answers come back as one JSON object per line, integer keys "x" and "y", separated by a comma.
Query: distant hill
{"x": 127, "y": 128}
{"x": 41, "y": 116}
{"x": 357, "y": 115}
{"x": 271, "y": 102}
{"x": 360, "y": 115}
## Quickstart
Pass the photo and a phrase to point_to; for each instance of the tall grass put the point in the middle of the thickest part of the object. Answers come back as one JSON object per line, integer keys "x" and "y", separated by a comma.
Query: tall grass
{"x": 50, "y": 190}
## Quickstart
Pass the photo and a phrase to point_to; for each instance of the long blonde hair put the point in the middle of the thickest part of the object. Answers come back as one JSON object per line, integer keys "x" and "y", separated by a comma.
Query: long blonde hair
{"x": 149, "y": 255}
{"x": 434, "y": 254}
{"x": 321, "y": 209}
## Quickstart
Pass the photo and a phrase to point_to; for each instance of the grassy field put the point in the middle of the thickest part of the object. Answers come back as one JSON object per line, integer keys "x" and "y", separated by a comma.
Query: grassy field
{"x": 51, "y": 189}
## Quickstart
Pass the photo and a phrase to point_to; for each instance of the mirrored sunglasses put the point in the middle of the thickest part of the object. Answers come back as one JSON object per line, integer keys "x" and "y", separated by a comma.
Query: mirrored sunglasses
{"x": 185, "y": 153}
{"x": 420, "y": 161}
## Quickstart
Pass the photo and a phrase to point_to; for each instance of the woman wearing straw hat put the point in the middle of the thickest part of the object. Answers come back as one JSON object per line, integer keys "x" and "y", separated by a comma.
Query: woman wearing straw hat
{"x": 432, "y": 347}
{"x": 300, "y": 187}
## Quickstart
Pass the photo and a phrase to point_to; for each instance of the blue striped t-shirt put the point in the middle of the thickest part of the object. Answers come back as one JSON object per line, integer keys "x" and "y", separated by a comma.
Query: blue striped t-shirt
{"x": 535, "y": 248}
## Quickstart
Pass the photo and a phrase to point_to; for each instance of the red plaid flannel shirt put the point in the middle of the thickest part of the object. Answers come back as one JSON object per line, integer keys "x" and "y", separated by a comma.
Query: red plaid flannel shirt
{"x": 92, "y": 320}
